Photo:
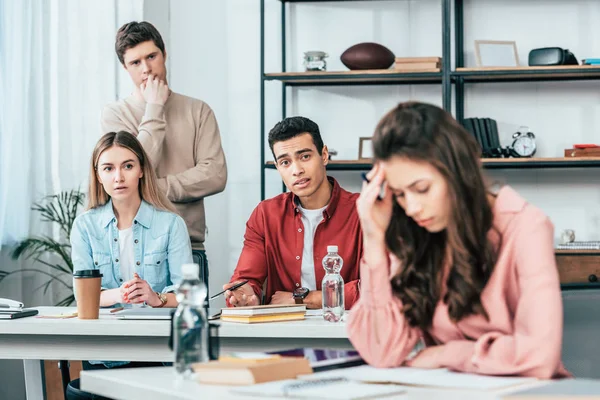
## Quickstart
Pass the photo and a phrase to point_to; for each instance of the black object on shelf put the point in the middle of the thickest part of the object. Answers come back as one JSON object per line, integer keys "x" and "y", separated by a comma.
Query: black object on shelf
{"x": 485, "y": 131}
{"x": 546, "y": 56}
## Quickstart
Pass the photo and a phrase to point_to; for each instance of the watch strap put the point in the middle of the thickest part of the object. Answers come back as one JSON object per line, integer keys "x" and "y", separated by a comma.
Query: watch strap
{"x": 163, "y": 299}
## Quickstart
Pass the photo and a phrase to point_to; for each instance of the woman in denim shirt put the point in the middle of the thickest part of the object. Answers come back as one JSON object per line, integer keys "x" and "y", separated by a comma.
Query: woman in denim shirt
{"x": 130, "y": 231}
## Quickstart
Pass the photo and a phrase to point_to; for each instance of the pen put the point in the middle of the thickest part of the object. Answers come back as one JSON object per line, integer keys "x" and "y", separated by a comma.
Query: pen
{"x": 114, "y": 310}
{"x": 242, "y": 283}
{"x": 364, "y": 176}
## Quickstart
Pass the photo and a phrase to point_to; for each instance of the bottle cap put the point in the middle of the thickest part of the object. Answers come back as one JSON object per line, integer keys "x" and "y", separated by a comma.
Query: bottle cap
{"x": 332, "y": 249}
{"x": 190, "y": 271}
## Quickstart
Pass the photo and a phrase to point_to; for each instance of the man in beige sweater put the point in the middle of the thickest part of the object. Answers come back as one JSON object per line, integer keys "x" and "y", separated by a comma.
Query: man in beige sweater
{"x": 179, "y": 133}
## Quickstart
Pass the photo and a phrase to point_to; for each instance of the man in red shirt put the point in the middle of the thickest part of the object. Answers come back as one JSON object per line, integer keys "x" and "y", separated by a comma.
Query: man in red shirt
{"x": 287, "y": 236}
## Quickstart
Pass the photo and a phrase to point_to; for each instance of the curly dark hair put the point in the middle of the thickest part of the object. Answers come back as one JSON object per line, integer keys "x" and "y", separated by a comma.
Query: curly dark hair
{"x": 424, "y": 132}
{"x": 292, "y": 127}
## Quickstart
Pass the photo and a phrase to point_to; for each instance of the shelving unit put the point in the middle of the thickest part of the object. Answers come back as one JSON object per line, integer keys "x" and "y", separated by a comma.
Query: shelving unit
{"x": 345, "y": 78}
{"x": 577, "y": 268}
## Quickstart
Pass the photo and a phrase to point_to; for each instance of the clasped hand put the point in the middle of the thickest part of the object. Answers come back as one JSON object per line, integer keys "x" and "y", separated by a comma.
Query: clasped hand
{"x": 138, "y": 291}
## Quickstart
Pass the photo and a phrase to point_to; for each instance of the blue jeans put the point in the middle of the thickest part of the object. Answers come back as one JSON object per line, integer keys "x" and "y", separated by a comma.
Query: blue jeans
{"x": 199, "y": 257}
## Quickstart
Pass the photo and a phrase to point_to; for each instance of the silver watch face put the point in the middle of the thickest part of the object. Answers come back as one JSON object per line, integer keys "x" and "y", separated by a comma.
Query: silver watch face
{"x": 524, "y": 146}
{"x": 300, "y": 292}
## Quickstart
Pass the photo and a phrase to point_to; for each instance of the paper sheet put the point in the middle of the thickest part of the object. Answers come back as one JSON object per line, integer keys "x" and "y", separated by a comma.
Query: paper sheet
{"x": 439, "y": 378}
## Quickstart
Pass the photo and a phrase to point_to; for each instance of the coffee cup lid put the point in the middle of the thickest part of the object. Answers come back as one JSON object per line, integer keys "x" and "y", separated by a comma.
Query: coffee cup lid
{"x": 87, "y": 273}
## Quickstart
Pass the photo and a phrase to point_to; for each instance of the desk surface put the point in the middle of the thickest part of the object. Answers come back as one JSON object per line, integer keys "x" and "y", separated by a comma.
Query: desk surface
{"x": 109, "y": 325}
{"x": 109, "y": 338}
{"x": 164, "y": 384}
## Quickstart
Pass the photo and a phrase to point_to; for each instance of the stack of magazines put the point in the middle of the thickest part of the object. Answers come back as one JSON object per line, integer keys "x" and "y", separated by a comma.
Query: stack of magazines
{"x": 580, "y": 245}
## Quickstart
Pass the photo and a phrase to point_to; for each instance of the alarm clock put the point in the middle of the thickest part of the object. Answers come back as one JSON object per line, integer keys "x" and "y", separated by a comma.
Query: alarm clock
{"x": 523, "y": 144}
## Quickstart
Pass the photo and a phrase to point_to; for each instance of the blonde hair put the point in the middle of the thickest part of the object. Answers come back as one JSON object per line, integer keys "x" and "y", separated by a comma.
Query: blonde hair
{"x": 148, "y": 186}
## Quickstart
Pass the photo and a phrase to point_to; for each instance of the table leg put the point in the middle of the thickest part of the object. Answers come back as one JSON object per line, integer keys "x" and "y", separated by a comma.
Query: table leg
{"x": 34, "y": 379}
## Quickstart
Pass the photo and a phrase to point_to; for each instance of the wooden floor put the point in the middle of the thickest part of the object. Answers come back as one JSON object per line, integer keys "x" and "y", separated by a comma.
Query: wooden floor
{"x": 54, "y": 389}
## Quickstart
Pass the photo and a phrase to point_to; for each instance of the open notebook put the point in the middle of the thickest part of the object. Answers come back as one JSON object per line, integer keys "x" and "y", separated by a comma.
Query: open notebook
{"x": 435, "y": 378}
{"x": 333, "y": 388}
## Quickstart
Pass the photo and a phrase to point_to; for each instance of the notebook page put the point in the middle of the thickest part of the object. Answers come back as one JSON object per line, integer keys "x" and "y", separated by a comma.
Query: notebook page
{"x": 366, "y": 373}
{"x": 438, "y": 378}
{"x": 335, "y": 390}
{"x": 460, "y": 380}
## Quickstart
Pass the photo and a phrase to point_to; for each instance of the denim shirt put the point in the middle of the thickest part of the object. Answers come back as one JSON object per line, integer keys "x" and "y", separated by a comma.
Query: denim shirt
{"x": 161, "y": 246}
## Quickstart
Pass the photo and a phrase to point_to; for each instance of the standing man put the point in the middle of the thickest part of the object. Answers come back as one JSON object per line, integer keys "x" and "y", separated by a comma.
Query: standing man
{"x": 287, "y": 236}
{"x": 179, "y": 133}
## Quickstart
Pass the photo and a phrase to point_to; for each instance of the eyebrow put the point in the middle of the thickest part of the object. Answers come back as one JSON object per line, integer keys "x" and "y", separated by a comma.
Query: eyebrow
{"x": 147, "y": 55}
{"x": 409, "y": 186}
{"x": 124, "y": 162}
{"x": 299, "y": 152}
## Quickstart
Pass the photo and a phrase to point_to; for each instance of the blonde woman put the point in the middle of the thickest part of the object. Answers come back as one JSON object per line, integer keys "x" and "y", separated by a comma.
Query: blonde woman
{"x": 130, "y": 231}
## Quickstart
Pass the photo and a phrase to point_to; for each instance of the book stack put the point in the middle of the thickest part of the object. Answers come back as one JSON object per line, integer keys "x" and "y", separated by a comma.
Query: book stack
{"x": 417, "y": 63}
{"x": 250, "y": 371}
{"x": 580, "y": 245}
{"x": 266, "y": 313}
{"x": 10, "y": 309}
{"x": 485, "y": 131}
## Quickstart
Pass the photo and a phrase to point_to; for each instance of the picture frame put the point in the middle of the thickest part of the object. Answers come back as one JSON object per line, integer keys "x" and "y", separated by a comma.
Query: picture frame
{"x": 365, "y": 148}
{"x": 496, "y": 53}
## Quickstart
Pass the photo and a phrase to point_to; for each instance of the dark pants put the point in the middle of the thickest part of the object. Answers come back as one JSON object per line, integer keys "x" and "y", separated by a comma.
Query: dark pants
{"x": 199, "y": 257}
{"x": 74, "y": 391}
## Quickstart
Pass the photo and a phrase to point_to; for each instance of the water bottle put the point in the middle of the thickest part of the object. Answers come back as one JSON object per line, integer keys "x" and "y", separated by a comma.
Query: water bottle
{"x": 333, "y": 286}
{"x": 190, "y": 322}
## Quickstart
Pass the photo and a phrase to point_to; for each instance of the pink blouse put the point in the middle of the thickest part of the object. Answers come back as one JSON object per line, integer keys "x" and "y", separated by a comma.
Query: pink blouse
{"x": 522, "y": 298}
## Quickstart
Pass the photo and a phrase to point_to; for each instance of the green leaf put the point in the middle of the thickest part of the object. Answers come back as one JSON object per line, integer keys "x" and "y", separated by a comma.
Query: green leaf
{"x": 67, "y": 301}
{"x": 61, "y": 209}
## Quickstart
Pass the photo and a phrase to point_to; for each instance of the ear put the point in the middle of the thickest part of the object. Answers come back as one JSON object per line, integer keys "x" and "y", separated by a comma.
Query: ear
{"x": 98, "y": 177}
{"x": 165, "y": 55}
{"x": 325, "y": 155}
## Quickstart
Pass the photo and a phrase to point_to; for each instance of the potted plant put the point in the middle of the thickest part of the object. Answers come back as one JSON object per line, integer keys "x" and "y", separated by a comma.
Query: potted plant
{"x": 60, "y": 209}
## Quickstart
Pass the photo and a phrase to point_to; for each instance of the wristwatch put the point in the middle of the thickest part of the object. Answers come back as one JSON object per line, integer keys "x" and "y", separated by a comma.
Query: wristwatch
{"x": 300, "y": 294}
{"x": 163, "y": 299}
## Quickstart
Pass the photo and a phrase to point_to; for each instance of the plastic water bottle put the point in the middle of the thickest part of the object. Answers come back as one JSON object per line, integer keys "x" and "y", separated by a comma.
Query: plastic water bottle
{"x": 190, "y": 322}
{"x": 333, "y": 286}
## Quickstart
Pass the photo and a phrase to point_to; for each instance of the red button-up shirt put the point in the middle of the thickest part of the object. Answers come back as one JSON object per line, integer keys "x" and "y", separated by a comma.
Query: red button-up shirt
{"x": 274, "y": 241}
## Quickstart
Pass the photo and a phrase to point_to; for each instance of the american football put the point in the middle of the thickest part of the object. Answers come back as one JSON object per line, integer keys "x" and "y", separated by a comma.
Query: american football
{"x": 367, "y": 55}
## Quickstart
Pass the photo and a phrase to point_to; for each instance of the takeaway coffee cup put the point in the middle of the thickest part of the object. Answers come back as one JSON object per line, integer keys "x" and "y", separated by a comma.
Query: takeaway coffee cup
{"x": 87, "y": 293}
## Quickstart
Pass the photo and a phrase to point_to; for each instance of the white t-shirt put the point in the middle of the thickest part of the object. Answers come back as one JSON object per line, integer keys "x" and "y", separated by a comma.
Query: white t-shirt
{"x": 126, "y": 262}
{"x": 311, "y": 219}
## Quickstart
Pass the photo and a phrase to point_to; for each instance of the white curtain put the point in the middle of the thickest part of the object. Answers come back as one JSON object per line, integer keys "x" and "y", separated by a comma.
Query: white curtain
{"x": 58, "y": 69}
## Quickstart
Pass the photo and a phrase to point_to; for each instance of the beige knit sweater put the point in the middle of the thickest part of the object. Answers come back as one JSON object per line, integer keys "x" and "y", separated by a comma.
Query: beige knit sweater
{"x": 183, "y": 142}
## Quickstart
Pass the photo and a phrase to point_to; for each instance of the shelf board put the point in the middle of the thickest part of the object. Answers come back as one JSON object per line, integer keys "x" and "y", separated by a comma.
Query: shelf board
{"x": 580, "y": 286}
{"x": 558, "y": 162}
{"x": 519, "y": 74}
{"x": 361, "y": 77}
{"x": 339, "y": 165}
{"x": 488, "y": 163}
{"x": 577, "y": 252}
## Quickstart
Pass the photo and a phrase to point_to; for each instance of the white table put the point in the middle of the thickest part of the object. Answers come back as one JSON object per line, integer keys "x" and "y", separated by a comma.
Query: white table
{"x": 161, "y": 383}
{"x": 108, "y": 338}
